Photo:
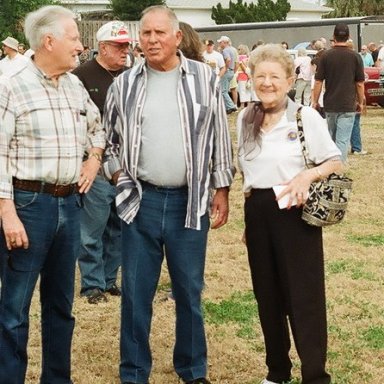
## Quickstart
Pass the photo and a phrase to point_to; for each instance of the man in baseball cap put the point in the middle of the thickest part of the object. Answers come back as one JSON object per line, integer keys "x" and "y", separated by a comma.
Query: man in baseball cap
{"x": 13, "y": 60}
{"x": 99, "y": 256}
{"x": 230, "y": 60}
{"x": 213, "y": 58}
{"x": 114, "y": 31}
{"x": 224, "y": 39}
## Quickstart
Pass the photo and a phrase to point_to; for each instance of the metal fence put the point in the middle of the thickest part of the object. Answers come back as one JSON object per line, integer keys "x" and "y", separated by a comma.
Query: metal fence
{"x": 88, "y": 29}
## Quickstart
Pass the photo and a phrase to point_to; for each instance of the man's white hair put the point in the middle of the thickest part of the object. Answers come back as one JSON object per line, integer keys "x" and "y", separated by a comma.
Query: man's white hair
{"x": 45, "y": 21}
{"x": 161, "y": 8}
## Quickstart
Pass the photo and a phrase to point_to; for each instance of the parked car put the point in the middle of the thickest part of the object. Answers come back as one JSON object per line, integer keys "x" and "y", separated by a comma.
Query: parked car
{"x": 294, "y": 53}
{"x": 374, "y": 86}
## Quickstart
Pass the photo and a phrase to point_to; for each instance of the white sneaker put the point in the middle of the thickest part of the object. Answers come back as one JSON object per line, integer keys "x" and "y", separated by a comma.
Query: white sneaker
{"x": 359, "y": 153}
{"x": 265, "y": 381}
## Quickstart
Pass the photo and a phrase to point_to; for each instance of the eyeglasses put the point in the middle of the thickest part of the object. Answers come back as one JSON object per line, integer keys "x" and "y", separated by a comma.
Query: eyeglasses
{"x": 119, "y": 46}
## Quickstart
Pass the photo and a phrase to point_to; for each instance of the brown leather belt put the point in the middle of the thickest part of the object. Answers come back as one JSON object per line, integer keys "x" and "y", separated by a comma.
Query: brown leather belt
{"x": 55, "y": 190}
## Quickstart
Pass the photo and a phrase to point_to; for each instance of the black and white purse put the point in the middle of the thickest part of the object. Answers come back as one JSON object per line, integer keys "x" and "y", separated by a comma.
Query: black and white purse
{"x": 328, "y": 198}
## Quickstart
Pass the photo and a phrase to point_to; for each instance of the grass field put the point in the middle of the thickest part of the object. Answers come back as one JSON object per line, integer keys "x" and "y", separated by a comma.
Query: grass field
{"x": 354, "y": 252}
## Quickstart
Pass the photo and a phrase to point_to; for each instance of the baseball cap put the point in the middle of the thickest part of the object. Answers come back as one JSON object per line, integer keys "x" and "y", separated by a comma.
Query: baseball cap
{"x": 209, "y": 42}
{"x": 224, "y": 38}
{"x": 11, "y": 43}
{"x": 115, "y": 31}
{"x": 341, "y": 30}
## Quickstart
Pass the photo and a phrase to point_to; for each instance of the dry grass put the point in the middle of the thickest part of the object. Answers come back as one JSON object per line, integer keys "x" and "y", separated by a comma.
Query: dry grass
{"x": 354, "y": 278}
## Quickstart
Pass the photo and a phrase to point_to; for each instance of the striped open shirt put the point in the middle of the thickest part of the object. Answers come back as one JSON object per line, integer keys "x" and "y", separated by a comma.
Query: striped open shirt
{"x": 44, "y": 128}
{"x": 206, "y": 143}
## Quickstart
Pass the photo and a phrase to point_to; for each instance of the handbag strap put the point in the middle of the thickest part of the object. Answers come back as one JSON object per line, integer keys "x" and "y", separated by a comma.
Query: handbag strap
{"x": 301, "y": 136}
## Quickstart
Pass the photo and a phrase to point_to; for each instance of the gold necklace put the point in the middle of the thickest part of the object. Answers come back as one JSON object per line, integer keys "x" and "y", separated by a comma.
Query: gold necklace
{"x": 112, "y": 75}
{"x": 117, "y": 72}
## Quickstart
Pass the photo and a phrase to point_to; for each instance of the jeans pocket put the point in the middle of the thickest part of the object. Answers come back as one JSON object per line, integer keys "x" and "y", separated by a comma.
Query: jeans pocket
{"x": 79, "y": 200}
{"x": 23, "y": 199}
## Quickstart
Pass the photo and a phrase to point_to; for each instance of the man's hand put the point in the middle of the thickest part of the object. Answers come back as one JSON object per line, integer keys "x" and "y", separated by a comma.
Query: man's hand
{"x": 219, "y": 208}
{"x": 89, "y": 170}
{"x": 14, "y": 231}
{"x": 115, "y": 177}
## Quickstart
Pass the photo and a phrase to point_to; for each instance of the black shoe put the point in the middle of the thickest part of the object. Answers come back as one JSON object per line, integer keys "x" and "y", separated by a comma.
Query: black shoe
{"x": 130, "y": 382}
{"x": 229, "y": 111}
{"x": 95, "y": 296}
{"x": 114, "y": 290}
{"x": 202, "y": 380}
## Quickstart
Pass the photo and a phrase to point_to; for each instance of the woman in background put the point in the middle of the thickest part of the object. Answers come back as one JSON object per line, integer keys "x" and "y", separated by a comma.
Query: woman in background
{"x": 244, "y": 80}
{"x": 285, "y": 253}
{"x": 191, "y": 45}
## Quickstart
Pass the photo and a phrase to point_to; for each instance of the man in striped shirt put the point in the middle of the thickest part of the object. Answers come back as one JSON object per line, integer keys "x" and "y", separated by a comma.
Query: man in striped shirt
{"x": 47, "y": 121}
{"x": 167, "y": 145}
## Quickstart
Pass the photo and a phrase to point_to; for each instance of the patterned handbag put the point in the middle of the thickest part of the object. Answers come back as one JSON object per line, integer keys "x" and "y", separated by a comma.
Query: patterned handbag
{"x": 328, "y": 198}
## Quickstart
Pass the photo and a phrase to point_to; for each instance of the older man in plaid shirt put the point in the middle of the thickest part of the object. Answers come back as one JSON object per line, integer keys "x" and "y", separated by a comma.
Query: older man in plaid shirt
{"x": 47, "y": 121}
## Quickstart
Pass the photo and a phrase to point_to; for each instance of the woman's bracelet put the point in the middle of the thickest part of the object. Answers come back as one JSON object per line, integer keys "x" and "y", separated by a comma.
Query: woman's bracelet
{"x": 319, "y": 174}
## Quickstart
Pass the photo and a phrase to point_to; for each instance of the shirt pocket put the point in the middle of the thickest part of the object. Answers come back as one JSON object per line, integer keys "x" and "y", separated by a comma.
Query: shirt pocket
{"x": 81, "y": 124}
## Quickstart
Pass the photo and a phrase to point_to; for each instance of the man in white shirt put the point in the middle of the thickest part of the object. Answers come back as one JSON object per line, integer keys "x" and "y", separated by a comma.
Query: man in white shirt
{"x": 380, "y": 59}
{"x": 213, "y": 58}
{"x": 14, "y": 60}
{"x": 303, "y": 81}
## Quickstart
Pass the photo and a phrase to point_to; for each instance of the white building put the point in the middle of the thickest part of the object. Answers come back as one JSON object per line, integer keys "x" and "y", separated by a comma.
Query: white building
{"x": 198, "y": 12}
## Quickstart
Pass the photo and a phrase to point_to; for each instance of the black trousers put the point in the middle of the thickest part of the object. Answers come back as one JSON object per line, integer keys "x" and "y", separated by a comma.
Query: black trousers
{"x": 287, "y": 267}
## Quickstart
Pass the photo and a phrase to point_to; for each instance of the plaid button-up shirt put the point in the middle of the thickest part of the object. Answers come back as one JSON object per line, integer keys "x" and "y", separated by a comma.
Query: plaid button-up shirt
{"x": 44, "y": 128}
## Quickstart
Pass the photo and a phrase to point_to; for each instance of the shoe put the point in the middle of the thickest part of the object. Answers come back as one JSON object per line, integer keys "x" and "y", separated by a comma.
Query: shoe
{"x": 95, "y": 296}
{"x": 229, "y": 111}
{"x": 114, "y": 290}
{"x": 202, "y": 380}
{"x": 265, "y": 381}
{"x": 170, "y": 294}
{"x": 360, "y": 153}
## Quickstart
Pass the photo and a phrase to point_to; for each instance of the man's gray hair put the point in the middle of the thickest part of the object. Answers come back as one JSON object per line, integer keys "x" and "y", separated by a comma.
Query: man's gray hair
{"x": 163, "y": 8}
{"x": 45, "y": 21}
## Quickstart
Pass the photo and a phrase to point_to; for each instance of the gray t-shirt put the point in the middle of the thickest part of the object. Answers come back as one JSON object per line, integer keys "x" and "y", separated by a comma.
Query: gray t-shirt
{"x": 162, "y": 159}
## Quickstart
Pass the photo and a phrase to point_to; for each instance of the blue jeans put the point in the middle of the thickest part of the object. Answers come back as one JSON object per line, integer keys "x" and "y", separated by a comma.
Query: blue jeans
{"x": 340, "y": 128}
{"x": 158, "y": 229}
{"x": 52, "y": 226}
{"x": 100, "y": 251}
{"x": 225, "y": 81}
{"x": 356, "y": 145}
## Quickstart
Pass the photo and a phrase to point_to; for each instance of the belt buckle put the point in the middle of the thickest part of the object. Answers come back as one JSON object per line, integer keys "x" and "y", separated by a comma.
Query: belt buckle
{"x": 58, "y": 191}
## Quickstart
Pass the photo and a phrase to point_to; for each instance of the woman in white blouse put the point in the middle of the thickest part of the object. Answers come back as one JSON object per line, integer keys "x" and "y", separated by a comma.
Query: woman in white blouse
{"x": 285, "y": 253}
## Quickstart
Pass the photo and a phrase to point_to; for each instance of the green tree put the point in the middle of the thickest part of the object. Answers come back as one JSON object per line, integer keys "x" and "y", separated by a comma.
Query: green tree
{"x": 261, "y": 10}
{"x": 350, "y": 8}
{"x": 130, "y": 10}
{"x": 12, "y": 14}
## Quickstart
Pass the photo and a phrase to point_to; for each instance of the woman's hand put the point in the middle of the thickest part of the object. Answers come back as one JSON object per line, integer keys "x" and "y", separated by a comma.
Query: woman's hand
{"x": 297, "y": 189}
